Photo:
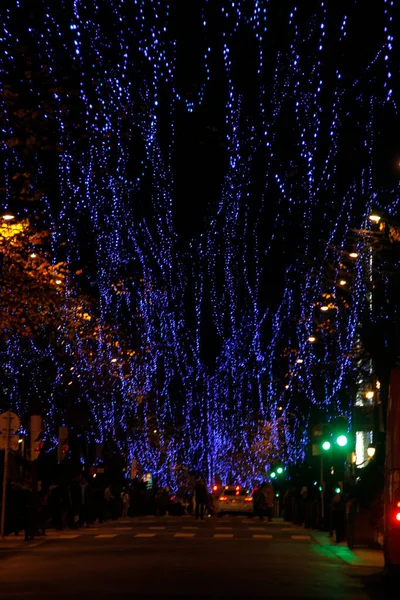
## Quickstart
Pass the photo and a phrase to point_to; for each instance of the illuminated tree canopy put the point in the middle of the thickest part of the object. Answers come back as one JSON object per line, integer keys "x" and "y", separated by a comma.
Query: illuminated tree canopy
{"x": 200, "y": 169}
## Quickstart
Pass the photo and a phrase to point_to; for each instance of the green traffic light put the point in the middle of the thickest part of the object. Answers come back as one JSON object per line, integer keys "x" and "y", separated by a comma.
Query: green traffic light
{"x": 326, "y": 445}
{"x": 273, "y": 475}
{"x": 279, "y": 470}
{"x": 341, "y": 441}
{"x": 338, "y": 490}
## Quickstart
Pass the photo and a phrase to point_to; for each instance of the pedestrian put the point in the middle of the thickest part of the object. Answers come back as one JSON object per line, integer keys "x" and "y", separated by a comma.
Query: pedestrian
{"x": 30, "y": 513}
{"x": 125, "y": 502}
{"x": 201, "y": 498}
{"x": 84, "y": 504}
{"x": 257, "y": 500}
{"x": 109, "y": 500}
{"x": 268, "y": 492}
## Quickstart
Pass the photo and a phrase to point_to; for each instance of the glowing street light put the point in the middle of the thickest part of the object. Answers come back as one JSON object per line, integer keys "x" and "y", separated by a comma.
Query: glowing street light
{"x": 8, "y": 217}
{"x": 371, "y": 451}
{"x": 342, "y": 282}
{"x": 311, "y": 339}
{"x": 369, "y": 394}
{"x": 299, "y": 361}
{"x": 374, "y": 218}
{"x": 324, "y": 308}
{"x": 353, "y": 255}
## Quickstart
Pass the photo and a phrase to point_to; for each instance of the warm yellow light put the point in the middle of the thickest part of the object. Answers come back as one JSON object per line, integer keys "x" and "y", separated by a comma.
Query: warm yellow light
{"x": 113, "y": 360}
{"x": 353, "y": 255}
{"x": 9, "y": 230}
{"x": 299, "y": 361}
{"x": 342, "y": 282}
{"x": 33, "y": 255}
{"x": 375, "y": 218}
{"x": 311, "y": 339}
{"x": 286, "y": 387}
{"x": 58, "y": 281}
{"x": 280, "y": 407}
{"x": 371, "y": 451}
{"x": 369, "y": 394}
{"x": 378, "y": 385}
{"x": 324, "y": 308}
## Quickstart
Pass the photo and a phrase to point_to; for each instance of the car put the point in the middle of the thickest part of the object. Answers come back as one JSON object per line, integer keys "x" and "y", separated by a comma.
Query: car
{"x": 234, "y": 499}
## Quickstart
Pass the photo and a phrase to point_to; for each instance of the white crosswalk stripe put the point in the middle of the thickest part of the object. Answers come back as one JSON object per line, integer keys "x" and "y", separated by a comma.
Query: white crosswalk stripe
{"x": 105, "y": 536}
{"x": 262, "y": 536}
{"x": 184, "y": 535}
{"x": 222, "y": 536}
{"x": 300, "y": 537}
{"x": 145, "y": 535}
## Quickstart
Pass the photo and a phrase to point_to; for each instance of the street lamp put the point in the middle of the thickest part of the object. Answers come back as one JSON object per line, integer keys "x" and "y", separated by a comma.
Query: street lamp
{"x": 371, "y": 451}
{"x": 374, "y": 218}
{"x": 353, "y": 255}
{"x": 299, "y": 361}
{"x": 311, "y": 339}
{"x": 8, "y": 217}
{"x": 342, "y": 282}
{"x": 369, "y": 394}
{"x": 324, "y": 308}
{"x": 279, "y": 470}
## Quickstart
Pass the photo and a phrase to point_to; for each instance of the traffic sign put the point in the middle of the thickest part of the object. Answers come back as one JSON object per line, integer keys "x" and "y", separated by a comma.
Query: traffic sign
{"x": 9, "y": 423}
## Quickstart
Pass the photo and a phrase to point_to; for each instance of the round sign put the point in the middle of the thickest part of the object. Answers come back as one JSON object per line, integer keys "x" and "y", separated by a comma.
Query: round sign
{"x": 9, "y": 423}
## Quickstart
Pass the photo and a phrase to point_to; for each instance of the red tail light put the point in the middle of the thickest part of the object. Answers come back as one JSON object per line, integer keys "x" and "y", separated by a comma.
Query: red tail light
{"x": 248, "y": 499}
{"x": 223, "y": 498}
{"x": 397, "y": 517}
{"x": 215, "y": 487}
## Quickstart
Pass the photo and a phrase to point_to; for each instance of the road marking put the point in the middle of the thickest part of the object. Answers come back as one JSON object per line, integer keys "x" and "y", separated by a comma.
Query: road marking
{"x": 105, "y": 535}
{"x": 145, "y": 535}
{"x": 157, "y": 528}
{"x": 300, "y": 537}
{"x": 68, "y": 537}
{"x": 256, "y": 528}
{"x": 262, "y": 536}
{"x": 221, "y": 528}
{"x": 184, "y": 535}
{"x": 221, "y": 536}
{"x": 123, "y": 528}
{"x": 191, "y": 527}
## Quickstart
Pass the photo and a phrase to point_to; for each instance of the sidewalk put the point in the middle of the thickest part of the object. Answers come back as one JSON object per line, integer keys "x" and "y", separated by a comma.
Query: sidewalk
{"x": 359, "y": 557}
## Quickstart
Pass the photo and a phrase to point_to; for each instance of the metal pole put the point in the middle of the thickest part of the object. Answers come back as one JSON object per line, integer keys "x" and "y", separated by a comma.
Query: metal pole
{"x": 322, "y": 490}
{"x": 5, "y": 477}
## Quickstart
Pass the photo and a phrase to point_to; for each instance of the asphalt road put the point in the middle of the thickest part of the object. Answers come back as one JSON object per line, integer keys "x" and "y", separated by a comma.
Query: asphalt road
{"x": 172, "y": 557}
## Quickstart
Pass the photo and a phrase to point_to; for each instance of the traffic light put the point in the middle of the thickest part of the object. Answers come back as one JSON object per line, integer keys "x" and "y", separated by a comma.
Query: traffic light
{"x": 279, "y": 470}
{"x": 326, "y": 445}
{"x": 342, "y": 440}
{"x": 272, "y": 474}
{"x": 62, "y": 448}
